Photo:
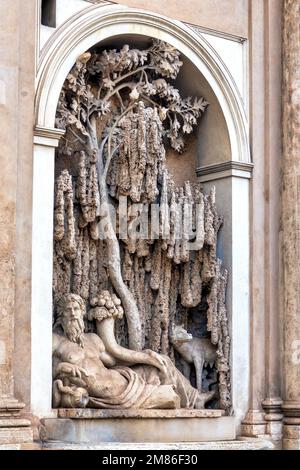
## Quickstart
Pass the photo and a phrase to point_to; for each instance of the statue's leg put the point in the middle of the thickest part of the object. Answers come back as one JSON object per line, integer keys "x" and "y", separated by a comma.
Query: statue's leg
{"x": 188, "y": 394}
{"x": 190, "y": 397}
{"x": 204, "y": 398}
{"x": 162, "y": 397}
{"x": 198, "y": 369}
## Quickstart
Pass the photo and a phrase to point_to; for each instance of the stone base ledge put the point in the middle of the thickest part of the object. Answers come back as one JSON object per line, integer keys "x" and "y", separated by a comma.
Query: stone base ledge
{"x": 14, "y": 429}
{"x": 13, "y": 435}
{"x": 14, "y": 423}
{"x": 95, "y": 431}
{"x": 251, "y": 444}
{"x": 246, "y": 444}
{"x": 22, "y": 446}
{"x": 90, "y": 413}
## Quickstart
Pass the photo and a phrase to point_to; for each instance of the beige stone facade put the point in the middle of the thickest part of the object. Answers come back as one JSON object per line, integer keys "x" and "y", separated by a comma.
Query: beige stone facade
{"x": 244, "y": 55}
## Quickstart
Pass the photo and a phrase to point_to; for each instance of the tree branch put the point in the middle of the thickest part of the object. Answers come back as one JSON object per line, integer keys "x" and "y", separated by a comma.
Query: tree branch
{"x": 150, "y": 100}
{"x": 133, "y": 72}
{"x": 76, "y": 136}
{"x": 120, "y": 100}
{"x": 118, "y": 89}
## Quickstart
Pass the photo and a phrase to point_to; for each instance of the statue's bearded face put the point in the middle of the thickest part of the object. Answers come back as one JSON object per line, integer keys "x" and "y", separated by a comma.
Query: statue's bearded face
{"x": 72, "y": 322}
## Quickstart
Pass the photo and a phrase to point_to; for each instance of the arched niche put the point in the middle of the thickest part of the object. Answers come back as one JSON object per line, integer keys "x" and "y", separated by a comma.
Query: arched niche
{"x": 84, "y": 30}
{"x": 219, "y": 152}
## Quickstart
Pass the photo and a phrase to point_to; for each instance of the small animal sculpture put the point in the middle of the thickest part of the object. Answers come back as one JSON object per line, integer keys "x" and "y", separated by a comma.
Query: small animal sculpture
{"x": 197, "y": 351}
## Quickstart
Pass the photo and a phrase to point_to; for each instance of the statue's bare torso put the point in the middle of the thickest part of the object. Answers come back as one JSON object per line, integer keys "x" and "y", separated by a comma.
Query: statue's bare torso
{"x": 100, "y": 381}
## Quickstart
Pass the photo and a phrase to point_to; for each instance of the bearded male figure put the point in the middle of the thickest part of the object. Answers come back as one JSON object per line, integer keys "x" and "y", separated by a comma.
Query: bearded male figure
{"x": 93, "y": 370}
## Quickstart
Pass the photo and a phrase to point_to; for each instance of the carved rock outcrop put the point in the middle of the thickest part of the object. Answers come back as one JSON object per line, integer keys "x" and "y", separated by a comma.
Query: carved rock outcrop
{"x": 121, "y": 225}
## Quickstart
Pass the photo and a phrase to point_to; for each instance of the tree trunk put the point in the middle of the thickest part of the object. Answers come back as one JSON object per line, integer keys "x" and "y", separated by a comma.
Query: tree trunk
{"x": 114, "y": 267}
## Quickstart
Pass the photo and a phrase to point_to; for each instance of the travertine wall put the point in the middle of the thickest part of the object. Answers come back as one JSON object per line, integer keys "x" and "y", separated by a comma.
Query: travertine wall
{"x": 290, "y": 224}
{"x": 25, "y": 112}
{"x": 17, "y": 71}
{"x": 229, "y": 16}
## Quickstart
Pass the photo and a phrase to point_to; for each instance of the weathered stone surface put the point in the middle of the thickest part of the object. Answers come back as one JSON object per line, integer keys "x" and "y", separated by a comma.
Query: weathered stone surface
{"x": 16, "y": 138}
{"x": 159, "y": 275}
{"x": 14, "y": 422}
{"x": 291, "y": 219}
{"x": 22, "y": 446}
{"x": 245, "y": 444}
{"x": 254, "y": 424}
{"x": 96, "y": 431}
{"x": 94, "y": 371}
{"x": 137, "y": 414}
{"x": 205, "y": 13}
{"x": 15, "y": 435}
{"x": 13, "y": 428}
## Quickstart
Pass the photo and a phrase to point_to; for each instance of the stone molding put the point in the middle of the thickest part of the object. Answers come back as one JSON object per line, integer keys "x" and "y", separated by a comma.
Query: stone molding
{"x": 137, "y": 413}
{"x": 11, "y": 405}
{"x": 48, "y": 137}
{"x": 273, "y": 406}
{"x": 13, "y": 427}
{"x": 220, "y": 34}
{"x": 239, "y": 444}
{"x": 224, "y": 170}
{"x": 291, "y": 409}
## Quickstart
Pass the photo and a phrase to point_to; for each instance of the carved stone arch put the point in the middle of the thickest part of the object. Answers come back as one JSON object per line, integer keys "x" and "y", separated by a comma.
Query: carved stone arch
{"x": 97, "y": 23}
{"x": 77, "y": 35}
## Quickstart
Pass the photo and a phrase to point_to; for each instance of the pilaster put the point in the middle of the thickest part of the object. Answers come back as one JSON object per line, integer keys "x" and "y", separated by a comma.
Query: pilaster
{"x": 291, "y": 224}
{"x": 14, "y": 91}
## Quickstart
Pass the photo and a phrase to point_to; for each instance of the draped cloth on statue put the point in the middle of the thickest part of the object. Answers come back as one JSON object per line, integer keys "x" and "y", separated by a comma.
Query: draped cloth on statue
{"x": 187, "y": 394}
{"x": 134, "y": 396}
{"x": 147, "y": 391}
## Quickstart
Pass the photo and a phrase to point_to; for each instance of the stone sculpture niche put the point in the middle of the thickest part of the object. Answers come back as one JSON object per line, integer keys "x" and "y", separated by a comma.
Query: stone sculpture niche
{"x": 134, "y": 256}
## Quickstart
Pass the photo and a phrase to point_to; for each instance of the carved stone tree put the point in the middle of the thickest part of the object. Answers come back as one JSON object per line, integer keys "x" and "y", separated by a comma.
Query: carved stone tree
{"x": 120, "y": 112}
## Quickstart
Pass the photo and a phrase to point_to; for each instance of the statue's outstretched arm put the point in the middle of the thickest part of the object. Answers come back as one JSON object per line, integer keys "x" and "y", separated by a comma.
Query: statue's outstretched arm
{"x": 105, "y": 329}
{"x": 107, "y": 308}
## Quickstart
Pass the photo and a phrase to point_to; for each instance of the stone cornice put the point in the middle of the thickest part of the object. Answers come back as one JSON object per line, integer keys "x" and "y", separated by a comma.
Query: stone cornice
{"x": 224, "y": 170}
{"x": 48, "y": 137}
{"x": 50, "y": 133}
{"x": 214, "y": 32}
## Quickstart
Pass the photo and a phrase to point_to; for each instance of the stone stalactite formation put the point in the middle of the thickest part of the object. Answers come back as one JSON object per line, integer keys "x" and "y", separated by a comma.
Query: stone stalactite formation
{"x": 120, "y": 113}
